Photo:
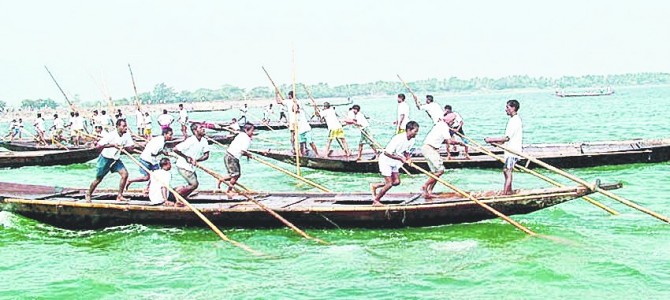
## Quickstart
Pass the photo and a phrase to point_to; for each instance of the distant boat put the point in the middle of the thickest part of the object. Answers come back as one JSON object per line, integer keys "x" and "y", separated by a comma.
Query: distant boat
{"x": 601, "y": 92}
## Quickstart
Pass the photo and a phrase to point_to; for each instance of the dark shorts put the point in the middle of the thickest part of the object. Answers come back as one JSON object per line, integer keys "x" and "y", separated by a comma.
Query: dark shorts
{"x": 149, "y": 166}
{"x": 232, "y": 165}
{"x": 106, "y": 165}
{"x": 190, "y": 176}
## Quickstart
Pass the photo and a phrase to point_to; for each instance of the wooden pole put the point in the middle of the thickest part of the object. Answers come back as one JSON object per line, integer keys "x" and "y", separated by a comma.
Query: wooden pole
{"x": 317, "y": 111}
{"x": 195, "y": 210}
{"x": 545, "y": 178}
{"x": 593, "y": 187}
{"x": 416, "y": 99}
{"x": 61, "y": 90}
{"x": 296, "y": 117}
{"x": 137, "y": 97}
{"x": 482, "y": 204}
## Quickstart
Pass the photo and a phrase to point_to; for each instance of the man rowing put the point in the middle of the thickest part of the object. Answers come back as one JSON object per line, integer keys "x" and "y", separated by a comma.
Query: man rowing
{"x": 391, "y": 160}
{"x": 335, "y": 131}
{"x": 149, "y": 156}
{"x": 237, "y": 148}
{"x": 243, "y": 113}
{"x": 513, "y": 140}
{"x": 431, "y": 151}
{"x": 191, "y": 151}
{"x": 454, "y": 140}
{"x": 39, "y": 128}
{"x": 433, "y": 109}
{"x": 57, "y": 129}
{"x": 109, "y": 159}
{"x": 357, "y": 118}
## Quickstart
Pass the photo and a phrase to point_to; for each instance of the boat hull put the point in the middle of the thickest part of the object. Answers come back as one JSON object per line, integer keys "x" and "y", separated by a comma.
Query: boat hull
{"x": 46, "y": 158}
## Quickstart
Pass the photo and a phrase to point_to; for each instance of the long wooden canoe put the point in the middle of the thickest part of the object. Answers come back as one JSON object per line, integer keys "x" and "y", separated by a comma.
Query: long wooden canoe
{"x": 10, "y": 159}
{"x": 573, "y": 155}
{"x": 272, "y": 125}
{"x": 64, "y": 207}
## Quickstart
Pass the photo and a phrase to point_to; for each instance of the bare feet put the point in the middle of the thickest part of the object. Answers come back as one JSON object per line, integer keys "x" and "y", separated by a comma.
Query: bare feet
{"x": 426, "y": 195}
{"x": 121, "y": 198}
{"x": 376, "y": 203}
{"x": 88, "y": 197}
{"x": 373, "y": 188}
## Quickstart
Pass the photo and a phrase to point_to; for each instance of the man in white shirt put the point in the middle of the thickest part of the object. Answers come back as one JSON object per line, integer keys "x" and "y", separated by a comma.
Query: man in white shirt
{"x": 357, "y": 118}
{"x": 289, "y": 106}
{"x": 434, "y": 111}
{"x": 110, "y": 158}
{"x": 267, "y": 113}
{"x": 149, "y": 156}
{"x": 305, "y": 132}
{"x": 165, "y": 119}
{"x": 57, "y": 128}
{"x": 39, "y": 128}
{"x": 391, "y": 160}
{"x": 139, "y": 121}
{"x": 402, "y": 116}
{"x": 513, "y": 140}
{"x": 456, "y": 126}
{"x": 183, "y": 120}
{"x": 147, "y": 125}
{"x": 431, "y": 151}
{"x": 77, "y": 128}
{"x": 105, "y": 121}
{"x": 237, "y": 148}
{"x": 191, "y": 151}
{"x": 160, "y": 179}
{"x": 234, "y": 125}
{"x": 334, "y": 128}
{"x": 243, "y": 112}
{"x": 13, "y": 130}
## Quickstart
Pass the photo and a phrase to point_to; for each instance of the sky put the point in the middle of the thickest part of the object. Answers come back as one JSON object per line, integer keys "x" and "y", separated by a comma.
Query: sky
{"x": 88, "y": 45}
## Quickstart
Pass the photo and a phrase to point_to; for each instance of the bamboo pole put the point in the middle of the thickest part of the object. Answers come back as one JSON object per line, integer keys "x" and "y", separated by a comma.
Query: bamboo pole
{"x": 61, "y": 90}
{"x": 317, "y": 111}
{"x": 295, "y": 123}
{"x": 316, "y": 185}
{"x": 416, "y": 99}
{"x": 593, "y": 187}
{"x": 482, "y": 204}
{"x": 195, "y": 210}
{"x": 545, "y": 178}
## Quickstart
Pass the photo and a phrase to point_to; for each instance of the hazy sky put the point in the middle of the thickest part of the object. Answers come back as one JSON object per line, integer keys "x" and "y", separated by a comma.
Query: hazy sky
{"x": 193, "y": 44}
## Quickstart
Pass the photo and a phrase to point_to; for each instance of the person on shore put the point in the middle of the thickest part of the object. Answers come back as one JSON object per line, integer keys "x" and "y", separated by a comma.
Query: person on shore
{"x": 391, "y": 160}
{"x": 183, "y": 120}
{"x": 237, "y": 148}
{"x": 335, "y": 130}
{"x": 39, "y": 128}
{"x": 149, "y": 156}
{"x": 431, "y": 151}
{"x": 109, "y": 159}
{"x": 357, "y": 118}
{"x": 434, "y": 111}
{"x": 160, "y": 178}
{"x": 513, "y": 140}
{"x": 402, "y": 116}
{"x": 57, "y": 129}
{"x": 243, "y": 113}
{"x": 191, "y": 151}
{"x": 165, "y": 120}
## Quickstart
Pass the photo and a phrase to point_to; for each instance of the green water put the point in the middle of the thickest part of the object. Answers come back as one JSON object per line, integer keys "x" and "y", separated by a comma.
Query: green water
{"x": 599, "y": 256}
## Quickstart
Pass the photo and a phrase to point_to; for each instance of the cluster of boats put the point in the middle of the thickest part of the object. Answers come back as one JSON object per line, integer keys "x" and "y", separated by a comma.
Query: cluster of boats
{"x": 65, "y": 207}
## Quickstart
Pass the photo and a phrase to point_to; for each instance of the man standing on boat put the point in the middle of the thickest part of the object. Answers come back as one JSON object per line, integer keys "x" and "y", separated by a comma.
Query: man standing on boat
{"x": 183, "y": 120}
{"x": 391, "y": 160}
{"x": 357, "y": 118}
{"x": 191, "y": 151}
{"x": 139, "y": 121}
{"x": 110, "y": 158}
{"x": 290, "y": 109}
{"x": 335, "y": 130}
{"x": 431, "y": 151}
{"x": 39, "y": 128}
{"x": 243, "y": 112}
{"x": 77, "y": 128}
{"x": 513, "y": 140}
{"x": 57, "y": 129}
{"x": 304, "y": 132}
{"x": 149, "y": 156}
{"x": 165, "y": 120}
{"x": 433, "y": 109}
{"x": 237, "y": 148}
{"x": 402, "y": 115}
{"x": 267, "y": 113}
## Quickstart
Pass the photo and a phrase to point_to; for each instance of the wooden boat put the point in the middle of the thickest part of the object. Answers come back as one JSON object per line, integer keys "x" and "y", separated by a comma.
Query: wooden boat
{"x": 573, "y": 155}
{"x": 46, "y": 157}
{"x": 272, "y": 125}
{"x": 64, "y": 207}
{"x": 334, "y": 104}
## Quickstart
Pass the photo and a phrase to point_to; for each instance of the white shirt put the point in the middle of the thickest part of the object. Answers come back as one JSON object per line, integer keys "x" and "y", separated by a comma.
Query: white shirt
{"x": 58, "y": 123}
{"x": 437, "y": 135}
{"x": 77, "y": 123}
{"x": 235, "y": 126}
{"x": 403, "y": 109}
{"x": 397, "y": 146}
{"x": 514, "y": 132}
{"x": 290, "y": 114}
{"x": 434, "y": 111}
{"x": 458, "y": 120}
{"x": 192, "y": 148}
{"x": 139, "y": 118}
{"x": 183, "y": 116}
{"x": 359, "y": 118}
{"x": 303, "y": 123}
{"x": 147, "y": 121}
{"x": 331, "y": 118}
{"x": 239, "y": 144}
{"x": 165, "y": 119}
{"x": 39, "y": 124}
{"x": 156, "y": 184}
{"x": 243, "y": 110}
{"x": 113, "y": 138}
{"x": 151, "y": 150}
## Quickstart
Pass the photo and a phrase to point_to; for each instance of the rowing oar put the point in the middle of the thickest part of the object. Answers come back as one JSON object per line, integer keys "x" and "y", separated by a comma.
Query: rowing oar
{"x": 316, "y": 185}
{"x": 263, "y": 206}
{"x": 416, "y": 99}
{"x": 195, "y": 210}
{"x": 61, "y": 90}
{"x": 593, "y": 187}
{"x": 545, "y": 178}
{"x": 482, "y": 204}
{"x": 227, "y": 128}
{"x": 217, "y": 175}
{"x": 317, "y": 111}
{"x": 379, "y": 146}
